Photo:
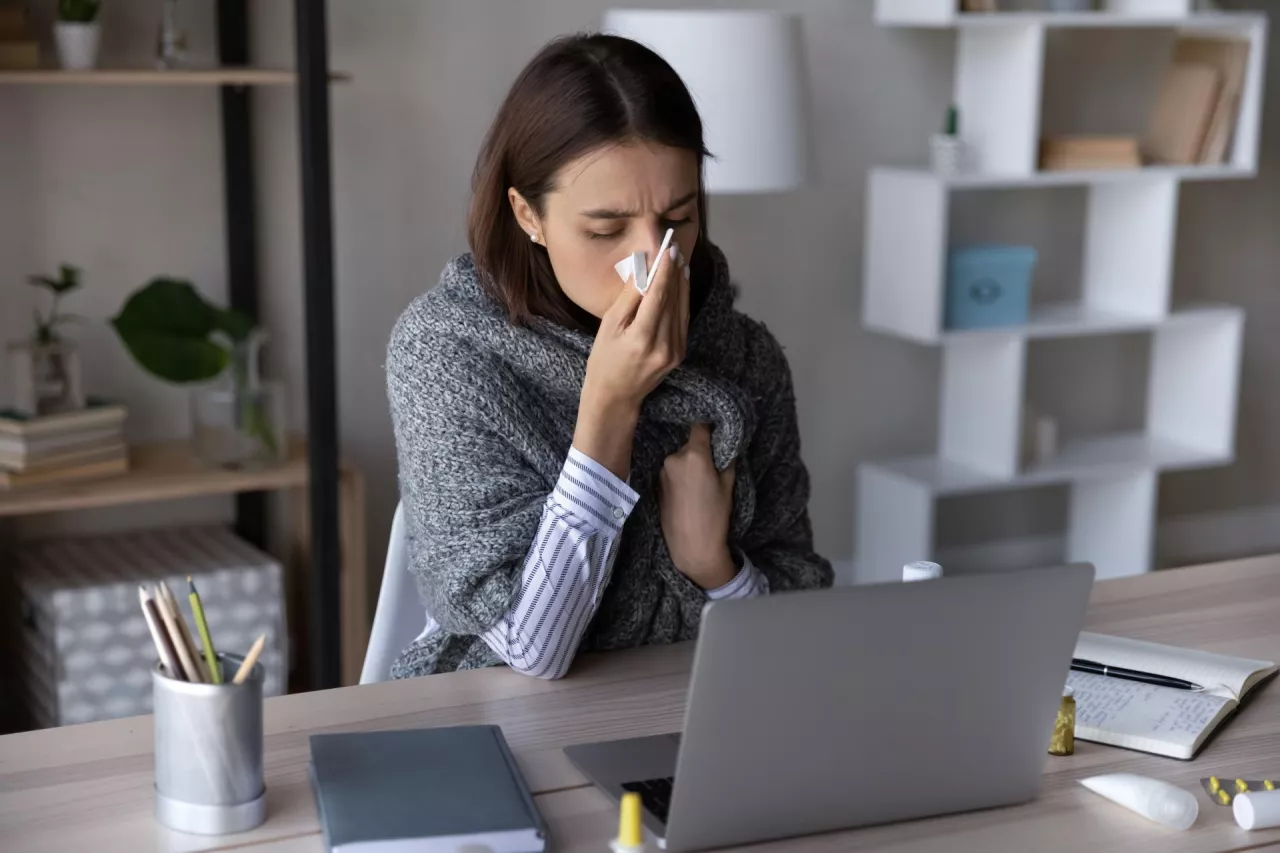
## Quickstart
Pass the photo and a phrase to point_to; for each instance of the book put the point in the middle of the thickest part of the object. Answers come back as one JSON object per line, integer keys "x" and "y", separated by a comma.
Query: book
{"x": 1179, "y": 123}
{"x": 1159, "y": 720}
{"x": 454, "y": 788}
{"x": 19, "y": 55}
{"x": 97, "y": 415}
{"x": 12, "y": 480}
{"x": 66, "y": 459}
{"x": 1089, "y": 152}
{"x": 19, "y": 453}
{"x": 1230, "y": 57}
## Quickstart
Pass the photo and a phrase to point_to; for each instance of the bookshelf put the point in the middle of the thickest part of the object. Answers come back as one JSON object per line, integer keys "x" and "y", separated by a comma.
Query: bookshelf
{"x": 143, "y": 76}
{"x": 1130, "y": 230}
{"x": 329, "y": 495}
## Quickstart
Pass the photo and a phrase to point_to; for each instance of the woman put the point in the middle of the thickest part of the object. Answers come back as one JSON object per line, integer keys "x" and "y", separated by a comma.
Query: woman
{"x": 583, "y": 466}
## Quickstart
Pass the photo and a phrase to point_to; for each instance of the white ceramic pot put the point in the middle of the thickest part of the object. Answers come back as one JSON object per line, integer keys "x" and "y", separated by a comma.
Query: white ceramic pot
{"x": 947, "y": 154}
{"x": 77, "y": 45}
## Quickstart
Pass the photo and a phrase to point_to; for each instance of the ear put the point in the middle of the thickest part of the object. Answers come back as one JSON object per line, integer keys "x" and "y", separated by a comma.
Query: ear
{"x": 525, "y": 215}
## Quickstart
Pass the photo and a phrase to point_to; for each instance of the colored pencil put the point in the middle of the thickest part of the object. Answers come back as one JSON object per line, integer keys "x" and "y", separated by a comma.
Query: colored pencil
{"x": 170, "y": 616}
{"x": 168, "y": 657}
{"x": 202, "y": 625}
{"x": 250, "y": 659}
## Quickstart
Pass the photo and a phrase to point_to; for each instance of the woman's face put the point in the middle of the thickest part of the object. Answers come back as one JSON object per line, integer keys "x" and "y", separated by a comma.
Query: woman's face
{"x": 607, "y": 204}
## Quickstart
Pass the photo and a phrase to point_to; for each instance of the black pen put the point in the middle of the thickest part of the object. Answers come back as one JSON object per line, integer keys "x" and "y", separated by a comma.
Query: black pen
{"x": 1132, "y": 675}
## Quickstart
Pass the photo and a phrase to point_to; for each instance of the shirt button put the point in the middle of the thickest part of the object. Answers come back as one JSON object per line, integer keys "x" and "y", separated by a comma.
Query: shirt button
{"x": 618, "y": 514}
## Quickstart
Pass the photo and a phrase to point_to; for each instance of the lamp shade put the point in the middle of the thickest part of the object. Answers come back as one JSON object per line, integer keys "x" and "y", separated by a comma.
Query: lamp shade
{"x": 745, "y": 71}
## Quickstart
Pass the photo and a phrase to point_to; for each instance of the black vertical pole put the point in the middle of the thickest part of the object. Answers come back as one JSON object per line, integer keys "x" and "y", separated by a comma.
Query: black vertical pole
{"x": 240, "y": 209}
{"x": 322, "y": 393}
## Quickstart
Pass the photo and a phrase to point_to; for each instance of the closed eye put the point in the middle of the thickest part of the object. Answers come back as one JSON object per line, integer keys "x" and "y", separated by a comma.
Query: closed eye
{"x": 676, "y": 223}
{"x": 613, "y": 235}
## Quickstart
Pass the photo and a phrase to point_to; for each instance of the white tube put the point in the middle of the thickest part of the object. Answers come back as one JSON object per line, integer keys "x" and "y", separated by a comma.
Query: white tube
{"x": 1257, "y": 809}
{"x": 1154, "y": 799}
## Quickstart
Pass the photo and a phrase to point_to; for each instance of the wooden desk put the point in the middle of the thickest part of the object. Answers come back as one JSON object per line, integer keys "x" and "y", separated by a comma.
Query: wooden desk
{"x": 90, "y": 787}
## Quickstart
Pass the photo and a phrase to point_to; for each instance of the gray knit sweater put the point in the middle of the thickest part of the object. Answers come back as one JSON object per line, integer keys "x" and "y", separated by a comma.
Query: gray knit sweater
{"x": 484, "y": 415}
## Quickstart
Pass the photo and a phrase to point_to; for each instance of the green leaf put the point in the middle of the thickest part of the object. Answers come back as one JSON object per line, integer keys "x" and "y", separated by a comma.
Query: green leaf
{"x": 166, "y": 326}
{"x": 234, "y": 325}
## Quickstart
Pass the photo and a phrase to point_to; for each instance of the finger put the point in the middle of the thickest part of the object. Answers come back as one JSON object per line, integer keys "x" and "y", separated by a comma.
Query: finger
{"x": 650, "y": 314}
{"x": 623, "y": 309}
{"x": 700, "y": 435}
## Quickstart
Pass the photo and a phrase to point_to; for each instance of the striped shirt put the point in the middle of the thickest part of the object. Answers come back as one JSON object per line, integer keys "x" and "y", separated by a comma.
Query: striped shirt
{"x": 567, "y": 569}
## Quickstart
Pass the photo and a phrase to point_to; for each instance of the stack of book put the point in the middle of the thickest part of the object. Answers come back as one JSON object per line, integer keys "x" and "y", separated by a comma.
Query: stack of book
{"x": 1195, "y": 113}
{"x": 18, "y": 50}
{"x": 62, "y": 448}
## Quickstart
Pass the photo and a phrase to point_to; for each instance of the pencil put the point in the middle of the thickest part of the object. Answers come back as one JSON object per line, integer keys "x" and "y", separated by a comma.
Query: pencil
{"x": 190, "y": 642}
{"x": 202, "y": 625}
{"x": 250, "y": 659}
{"x": 163, "y": 648}
{"x": 171, "y": 617}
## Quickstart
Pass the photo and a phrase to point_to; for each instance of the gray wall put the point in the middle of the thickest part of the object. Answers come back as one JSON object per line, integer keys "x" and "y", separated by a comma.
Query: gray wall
{"x": 126, "y": 183}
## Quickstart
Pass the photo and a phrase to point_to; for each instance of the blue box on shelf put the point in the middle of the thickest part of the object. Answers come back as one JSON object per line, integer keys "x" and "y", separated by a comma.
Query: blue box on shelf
{"x": 988, "y": 286}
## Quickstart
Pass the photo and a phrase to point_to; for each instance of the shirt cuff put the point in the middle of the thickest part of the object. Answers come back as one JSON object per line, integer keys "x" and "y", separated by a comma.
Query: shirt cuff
{"x": 749, "y": 582}
{"x": 594, "y": 493}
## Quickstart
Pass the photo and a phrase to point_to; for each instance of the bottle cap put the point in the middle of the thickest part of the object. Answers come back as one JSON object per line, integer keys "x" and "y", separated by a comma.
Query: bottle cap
{"x": 921, "y": 570}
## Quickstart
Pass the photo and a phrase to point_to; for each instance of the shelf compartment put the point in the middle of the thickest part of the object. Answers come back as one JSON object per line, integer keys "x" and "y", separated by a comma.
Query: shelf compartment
{"x": 1127, "y": 270}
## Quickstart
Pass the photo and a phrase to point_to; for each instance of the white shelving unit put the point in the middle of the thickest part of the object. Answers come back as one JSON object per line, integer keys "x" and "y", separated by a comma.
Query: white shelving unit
{"x": 1127, "y": 273}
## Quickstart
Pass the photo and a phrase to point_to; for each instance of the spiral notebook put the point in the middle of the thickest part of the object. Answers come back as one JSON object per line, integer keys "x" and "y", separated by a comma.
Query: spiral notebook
{"x": 1159, "y": 720}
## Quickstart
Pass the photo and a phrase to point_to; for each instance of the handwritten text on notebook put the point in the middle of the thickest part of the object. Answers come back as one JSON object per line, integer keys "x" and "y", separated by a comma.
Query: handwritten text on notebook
{"x": 1141, "y": 710}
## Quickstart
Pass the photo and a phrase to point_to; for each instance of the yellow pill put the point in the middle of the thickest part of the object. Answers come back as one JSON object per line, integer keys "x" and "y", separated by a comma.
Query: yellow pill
{"x": 1268, "y": 784}
{"x": 1224, "y": 797}
{"x": 1241, "y": 786}
{"x": 1214, "y": 785}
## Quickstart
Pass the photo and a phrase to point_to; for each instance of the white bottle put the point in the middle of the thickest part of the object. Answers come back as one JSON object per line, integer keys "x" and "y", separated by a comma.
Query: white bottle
{"x": 921, "y": 570}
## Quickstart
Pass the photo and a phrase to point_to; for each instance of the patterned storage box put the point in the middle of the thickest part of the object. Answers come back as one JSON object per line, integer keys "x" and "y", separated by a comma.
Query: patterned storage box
{"x": 86, "y": 650}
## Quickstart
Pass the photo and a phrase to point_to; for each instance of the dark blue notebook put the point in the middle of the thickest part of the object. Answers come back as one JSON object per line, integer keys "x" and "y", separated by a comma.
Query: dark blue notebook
{"x": 423, "y": 790}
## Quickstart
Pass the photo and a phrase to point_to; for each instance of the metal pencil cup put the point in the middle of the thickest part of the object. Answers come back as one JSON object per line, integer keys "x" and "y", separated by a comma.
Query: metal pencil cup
{"x": 209, "y": 752}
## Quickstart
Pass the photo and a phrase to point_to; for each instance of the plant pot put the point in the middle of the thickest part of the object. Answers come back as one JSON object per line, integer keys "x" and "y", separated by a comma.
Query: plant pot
{"x": 947, "y": 154}
{"x": 46, "y": 378}
{"x": 77, "y": 45}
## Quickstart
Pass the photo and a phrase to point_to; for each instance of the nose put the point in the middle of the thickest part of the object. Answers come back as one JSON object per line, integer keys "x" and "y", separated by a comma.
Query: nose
{"x": 649, "y": 241}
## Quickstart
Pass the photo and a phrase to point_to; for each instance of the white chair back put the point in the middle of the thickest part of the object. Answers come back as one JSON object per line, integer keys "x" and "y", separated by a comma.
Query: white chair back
{"x": 400, "y": 616}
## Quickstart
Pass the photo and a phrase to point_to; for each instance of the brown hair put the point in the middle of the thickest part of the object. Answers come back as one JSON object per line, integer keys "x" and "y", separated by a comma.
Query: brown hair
{"x": 579, "y": 93}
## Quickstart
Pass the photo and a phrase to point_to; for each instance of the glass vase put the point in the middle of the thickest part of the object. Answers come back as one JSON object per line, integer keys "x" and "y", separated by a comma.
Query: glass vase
{"x": 238, "y": 420}
{"x": 171, "y": 41}
{"x": 46, "y": 377}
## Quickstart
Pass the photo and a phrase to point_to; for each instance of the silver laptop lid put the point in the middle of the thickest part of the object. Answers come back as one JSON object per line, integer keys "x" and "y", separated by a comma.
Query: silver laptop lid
{"x": 823, "y": 710}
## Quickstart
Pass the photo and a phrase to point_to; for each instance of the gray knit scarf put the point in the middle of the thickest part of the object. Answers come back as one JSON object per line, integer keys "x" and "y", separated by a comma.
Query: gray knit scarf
{"x": 484, "y": 415}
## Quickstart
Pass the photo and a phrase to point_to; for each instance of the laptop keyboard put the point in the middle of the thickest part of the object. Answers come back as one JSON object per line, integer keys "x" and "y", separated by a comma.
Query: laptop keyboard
{"x": 655, "y": 795}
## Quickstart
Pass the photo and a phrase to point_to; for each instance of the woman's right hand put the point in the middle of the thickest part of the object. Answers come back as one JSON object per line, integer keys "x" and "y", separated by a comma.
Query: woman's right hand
{"x": 641, "y": 339}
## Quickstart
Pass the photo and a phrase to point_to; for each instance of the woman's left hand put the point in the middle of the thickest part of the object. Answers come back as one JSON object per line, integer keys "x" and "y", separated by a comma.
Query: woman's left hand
{"x": 696, "y": 504}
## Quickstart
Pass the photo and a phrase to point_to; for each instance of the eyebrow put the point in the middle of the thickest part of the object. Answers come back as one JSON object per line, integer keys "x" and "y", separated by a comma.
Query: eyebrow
{"x": 628, "y": 214}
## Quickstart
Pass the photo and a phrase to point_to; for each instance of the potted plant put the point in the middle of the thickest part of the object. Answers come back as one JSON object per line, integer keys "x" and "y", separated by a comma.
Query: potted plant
{"x": 77, "y": 34}
{"x": 176, "y": 335}
{"x": 46, "y": 369}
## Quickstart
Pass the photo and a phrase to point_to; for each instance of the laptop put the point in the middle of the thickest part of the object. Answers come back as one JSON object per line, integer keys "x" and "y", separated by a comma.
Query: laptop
{"x": 815, "y": 711}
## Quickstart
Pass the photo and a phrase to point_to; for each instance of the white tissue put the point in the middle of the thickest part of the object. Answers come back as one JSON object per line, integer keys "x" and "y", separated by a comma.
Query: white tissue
{"x": 1155, "y": 800}
{"x": 634, "y": 267}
